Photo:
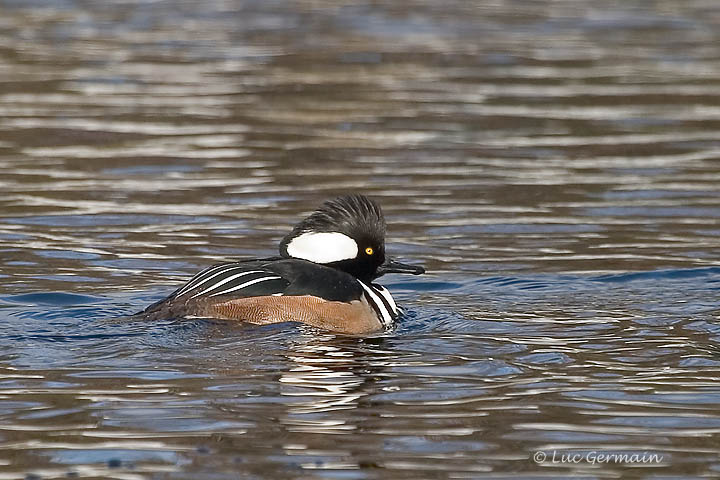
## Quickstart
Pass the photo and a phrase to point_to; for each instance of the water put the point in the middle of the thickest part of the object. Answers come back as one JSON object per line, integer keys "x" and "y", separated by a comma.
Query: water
{"x": 553, "y": 165}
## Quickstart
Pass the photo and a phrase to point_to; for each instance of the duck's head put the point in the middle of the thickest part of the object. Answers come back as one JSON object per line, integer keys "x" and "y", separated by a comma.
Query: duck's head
{"x": 347, "y": 233}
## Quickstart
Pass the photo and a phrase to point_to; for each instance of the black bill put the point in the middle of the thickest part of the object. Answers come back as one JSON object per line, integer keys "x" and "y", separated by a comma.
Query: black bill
{"x": 391, "y": 266}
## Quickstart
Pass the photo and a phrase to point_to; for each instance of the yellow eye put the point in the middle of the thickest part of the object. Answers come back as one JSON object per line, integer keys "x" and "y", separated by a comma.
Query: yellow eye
{"x": 369, "y": 251}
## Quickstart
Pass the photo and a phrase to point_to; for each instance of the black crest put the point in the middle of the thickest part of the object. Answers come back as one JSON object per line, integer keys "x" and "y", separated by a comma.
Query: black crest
{"x": 354, "y": 215}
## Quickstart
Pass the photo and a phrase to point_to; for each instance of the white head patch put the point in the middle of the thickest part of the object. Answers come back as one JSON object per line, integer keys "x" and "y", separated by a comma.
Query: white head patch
{"x": 323, "y": 247}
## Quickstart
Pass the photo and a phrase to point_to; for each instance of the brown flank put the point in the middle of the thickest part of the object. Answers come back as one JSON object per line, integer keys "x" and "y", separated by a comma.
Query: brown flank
{"x": 356, "y": 317}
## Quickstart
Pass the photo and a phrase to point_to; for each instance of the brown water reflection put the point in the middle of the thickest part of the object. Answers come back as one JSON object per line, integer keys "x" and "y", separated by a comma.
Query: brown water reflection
{"x": 554, "y": 165}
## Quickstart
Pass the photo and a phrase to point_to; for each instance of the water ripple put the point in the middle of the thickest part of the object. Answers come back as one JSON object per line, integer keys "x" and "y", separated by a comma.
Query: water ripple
{"x": 553, "y": 165}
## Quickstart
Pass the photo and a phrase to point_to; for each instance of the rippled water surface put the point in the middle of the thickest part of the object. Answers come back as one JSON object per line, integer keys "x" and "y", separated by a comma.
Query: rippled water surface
{"x": 554, "y": 164}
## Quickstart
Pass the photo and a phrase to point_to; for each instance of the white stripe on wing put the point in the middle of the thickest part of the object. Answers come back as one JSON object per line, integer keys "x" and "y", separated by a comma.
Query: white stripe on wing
{"x": 223, "y": 282}
{"x": 208, "y": 275}
{"x": 243, "y": 285}
{"x": 194, "y": 280}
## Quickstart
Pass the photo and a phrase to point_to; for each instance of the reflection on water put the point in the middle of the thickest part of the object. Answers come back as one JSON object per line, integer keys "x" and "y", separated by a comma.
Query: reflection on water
{"x": 554, "y": 165}
{"x": 324, "y": 373}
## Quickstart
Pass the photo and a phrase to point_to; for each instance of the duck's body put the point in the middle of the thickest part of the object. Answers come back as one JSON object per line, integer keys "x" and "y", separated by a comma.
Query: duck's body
{"x": 324, "y": 277}
{"x": 280, "y": 289}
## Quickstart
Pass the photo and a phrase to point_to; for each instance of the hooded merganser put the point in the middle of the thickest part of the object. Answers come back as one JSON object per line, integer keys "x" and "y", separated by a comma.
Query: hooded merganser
{"x": 323, "y": 277}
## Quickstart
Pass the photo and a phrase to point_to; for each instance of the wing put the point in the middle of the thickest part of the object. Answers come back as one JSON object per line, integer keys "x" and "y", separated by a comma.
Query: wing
{"x": 241, "y": 279}
{"x": 255, "y": 278}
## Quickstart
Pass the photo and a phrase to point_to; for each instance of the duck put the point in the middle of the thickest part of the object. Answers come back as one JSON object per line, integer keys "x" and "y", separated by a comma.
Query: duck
{"x": 325, "y": 276}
